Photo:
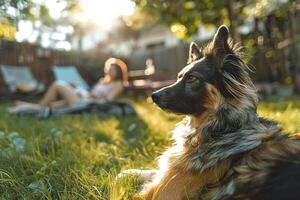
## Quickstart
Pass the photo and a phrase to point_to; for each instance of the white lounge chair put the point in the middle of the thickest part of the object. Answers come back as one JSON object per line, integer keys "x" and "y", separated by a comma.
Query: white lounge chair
{"x": 20, "y": 78}
{"x": 69, "y": 74}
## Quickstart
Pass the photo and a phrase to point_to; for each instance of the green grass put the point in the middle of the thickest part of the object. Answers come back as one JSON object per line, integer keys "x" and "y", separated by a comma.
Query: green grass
{"x": 78, "y": 157}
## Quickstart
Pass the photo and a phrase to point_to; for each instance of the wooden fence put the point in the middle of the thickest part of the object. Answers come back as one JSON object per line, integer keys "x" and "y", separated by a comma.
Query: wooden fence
{"x": 40, "y": 60}
{"x": 170, "y": 59}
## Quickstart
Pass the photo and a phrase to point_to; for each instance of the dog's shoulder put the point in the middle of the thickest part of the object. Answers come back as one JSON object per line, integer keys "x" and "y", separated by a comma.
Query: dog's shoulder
{"x": 283, "y": 182}
{"x": 271, "y": 171}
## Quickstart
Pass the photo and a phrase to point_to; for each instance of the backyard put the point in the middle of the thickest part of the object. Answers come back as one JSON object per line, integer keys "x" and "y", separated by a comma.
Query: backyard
{"x": 87, "y": 56}
{"x": 78, "y": 157}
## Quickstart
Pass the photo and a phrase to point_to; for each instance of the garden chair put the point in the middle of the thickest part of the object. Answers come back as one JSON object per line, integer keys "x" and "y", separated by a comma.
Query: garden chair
{"x": 69, "y": 74}
{"x": 19, "y": 79}
{"x": 103, "y": 109}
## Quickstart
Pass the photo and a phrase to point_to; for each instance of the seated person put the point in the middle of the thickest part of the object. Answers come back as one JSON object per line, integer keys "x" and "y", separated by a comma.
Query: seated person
{"x": 107, "y": 89}
{"x": 150, "y": 68}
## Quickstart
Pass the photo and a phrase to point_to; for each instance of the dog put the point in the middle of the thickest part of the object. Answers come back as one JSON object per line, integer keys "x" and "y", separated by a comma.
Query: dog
{"x": 222, "y": 150}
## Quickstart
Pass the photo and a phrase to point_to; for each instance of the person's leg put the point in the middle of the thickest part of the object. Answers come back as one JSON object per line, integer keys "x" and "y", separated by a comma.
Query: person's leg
{"x": 65, "y": 91}
{"x": 17, "y": 108}
{"x": 58, "y": 104}
{"x": 19, "y": 103}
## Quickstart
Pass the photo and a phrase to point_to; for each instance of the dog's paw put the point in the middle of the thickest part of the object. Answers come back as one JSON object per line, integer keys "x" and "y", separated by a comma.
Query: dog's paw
{"x": 128, "y": 172}
{"x": 141, "y": 175}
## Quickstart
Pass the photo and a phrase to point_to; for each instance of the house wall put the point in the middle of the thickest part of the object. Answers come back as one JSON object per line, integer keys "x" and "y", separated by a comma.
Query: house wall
{"x": 170, "y": 59}
{"x": 161, "y": 36}
{"x": 158, "y": 37}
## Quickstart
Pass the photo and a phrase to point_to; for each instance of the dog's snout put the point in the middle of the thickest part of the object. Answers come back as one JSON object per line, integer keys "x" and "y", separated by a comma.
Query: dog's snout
{"x": 156, "y": 96}
{"x": 161, "y": 96}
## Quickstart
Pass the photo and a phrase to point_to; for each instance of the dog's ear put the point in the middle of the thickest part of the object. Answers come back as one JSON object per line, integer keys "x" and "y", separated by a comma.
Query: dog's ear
{"x": 220, "y": 45}
{"x": 194, "y": 53}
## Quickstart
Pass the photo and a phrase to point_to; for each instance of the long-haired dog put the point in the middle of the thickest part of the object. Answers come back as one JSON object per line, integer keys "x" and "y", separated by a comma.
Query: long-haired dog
{"x": 223, "y": 149}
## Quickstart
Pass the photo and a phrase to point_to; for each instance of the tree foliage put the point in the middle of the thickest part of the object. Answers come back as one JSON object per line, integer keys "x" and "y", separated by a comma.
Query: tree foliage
{"x": 38, "y": 14}
{"x": 16, "y": 10}
{"x": 185, "y": 16}
{"x": 131, "y": 27}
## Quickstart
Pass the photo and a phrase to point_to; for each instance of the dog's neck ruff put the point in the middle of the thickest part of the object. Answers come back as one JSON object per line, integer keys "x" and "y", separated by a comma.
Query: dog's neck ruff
{"x": 214, "y": 151}
{"x": 227, "y": 133}
{"x": 225, "y": 120}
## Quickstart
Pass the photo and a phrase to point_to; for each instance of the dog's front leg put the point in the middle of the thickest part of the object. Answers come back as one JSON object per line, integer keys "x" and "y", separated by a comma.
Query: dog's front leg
{"x": 142, "y": 176}
{"x": 173, "y": 186}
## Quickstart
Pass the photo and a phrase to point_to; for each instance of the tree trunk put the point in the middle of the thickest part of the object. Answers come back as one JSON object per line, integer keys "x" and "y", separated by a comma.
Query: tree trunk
{"x": 232, "y": 19}
{"x": 295, "y": 67}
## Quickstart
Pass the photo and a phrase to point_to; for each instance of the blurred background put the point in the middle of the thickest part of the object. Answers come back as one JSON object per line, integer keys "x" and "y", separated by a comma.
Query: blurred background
{"x": 84, "y": 33}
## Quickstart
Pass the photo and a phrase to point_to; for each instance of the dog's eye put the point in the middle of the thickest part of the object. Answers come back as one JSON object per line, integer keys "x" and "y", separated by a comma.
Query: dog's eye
{"x": 191, "y": 78}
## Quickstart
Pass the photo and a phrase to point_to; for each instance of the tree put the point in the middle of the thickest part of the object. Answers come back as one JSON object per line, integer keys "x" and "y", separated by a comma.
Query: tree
{"x": 185, "y": 16}
{"x": 130, "y": 28}
{"x": 37, "y": 13}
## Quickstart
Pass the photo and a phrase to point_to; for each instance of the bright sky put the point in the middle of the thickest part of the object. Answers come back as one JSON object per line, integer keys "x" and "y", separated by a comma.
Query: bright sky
{"x": 104, "y": 12}
{"x": 100, "y": 14}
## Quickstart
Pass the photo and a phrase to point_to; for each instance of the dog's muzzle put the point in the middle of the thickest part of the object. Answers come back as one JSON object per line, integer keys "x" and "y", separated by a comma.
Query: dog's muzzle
{"x": 156, "y": 96}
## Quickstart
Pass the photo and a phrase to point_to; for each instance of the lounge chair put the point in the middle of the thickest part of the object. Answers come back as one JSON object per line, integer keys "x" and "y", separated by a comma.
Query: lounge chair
{"x": 19, "y": 79}
{"x": 70, "y": 75}
{"x": 97, "y": 108}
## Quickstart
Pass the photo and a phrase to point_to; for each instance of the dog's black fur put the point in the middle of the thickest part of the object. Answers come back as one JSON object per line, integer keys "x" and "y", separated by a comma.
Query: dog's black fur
{"x": 223, "y": 149}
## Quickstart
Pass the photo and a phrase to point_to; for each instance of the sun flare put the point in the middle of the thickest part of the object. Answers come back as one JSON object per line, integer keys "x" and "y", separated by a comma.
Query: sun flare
{"x": 104, "y": 12}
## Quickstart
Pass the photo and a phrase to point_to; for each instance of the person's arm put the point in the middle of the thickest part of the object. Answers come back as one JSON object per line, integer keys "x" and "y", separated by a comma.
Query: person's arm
{"x": 98, "y": 91}
{"x": 100, "y": 81}
{"x": 115, "y": 92}
{"x": 107, "y": 91}
{"x": 95, "y": 94}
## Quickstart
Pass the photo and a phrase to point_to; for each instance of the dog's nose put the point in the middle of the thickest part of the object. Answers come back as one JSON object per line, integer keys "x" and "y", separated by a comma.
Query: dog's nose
{"x": 156, "y": 96}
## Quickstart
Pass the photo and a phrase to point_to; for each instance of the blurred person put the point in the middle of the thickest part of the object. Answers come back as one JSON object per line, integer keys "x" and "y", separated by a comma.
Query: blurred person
{"x": 106, "y": 89}
{"x": 150, "y": 68}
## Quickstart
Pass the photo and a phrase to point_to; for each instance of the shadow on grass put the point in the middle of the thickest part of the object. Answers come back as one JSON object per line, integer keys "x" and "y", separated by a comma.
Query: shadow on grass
{"x": 133, "y": 128}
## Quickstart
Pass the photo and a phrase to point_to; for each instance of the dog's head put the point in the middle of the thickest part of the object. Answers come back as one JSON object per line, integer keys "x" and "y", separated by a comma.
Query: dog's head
{"x": 215, "y": 75}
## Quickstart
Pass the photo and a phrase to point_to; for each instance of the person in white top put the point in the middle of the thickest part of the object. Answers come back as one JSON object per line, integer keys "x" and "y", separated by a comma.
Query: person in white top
{"x": 106, "y": 89}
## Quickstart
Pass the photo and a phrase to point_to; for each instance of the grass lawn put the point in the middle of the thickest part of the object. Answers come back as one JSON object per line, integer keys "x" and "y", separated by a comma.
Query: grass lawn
{"x": 78, "y": 157}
